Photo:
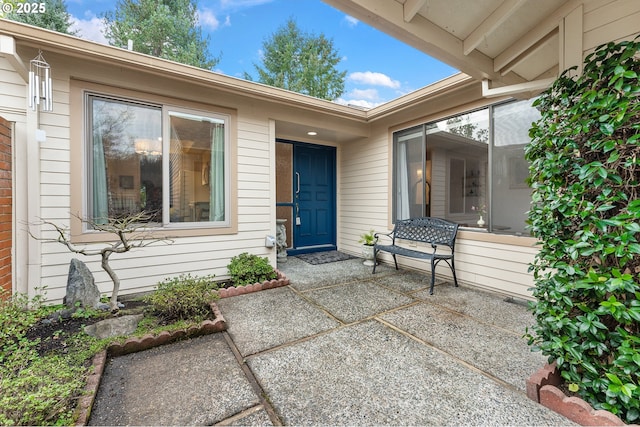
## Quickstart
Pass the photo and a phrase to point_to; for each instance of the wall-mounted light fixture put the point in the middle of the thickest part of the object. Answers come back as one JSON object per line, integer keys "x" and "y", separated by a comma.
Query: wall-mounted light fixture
{"x": 40, "y": 87}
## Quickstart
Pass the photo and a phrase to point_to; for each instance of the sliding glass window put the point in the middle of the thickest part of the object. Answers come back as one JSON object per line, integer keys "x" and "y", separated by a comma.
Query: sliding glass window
{"x": 133, "y": 168}
{"x": 450, "y": 169}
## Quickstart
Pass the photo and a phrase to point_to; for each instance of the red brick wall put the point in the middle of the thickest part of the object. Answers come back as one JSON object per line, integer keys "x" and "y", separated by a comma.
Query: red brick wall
{"x": 5, "y": 205}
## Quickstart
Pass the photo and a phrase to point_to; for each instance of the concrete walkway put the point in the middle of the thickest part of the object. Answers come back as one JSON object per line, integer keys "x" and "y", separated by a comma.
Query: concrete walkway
{"x": 343, "y": 347}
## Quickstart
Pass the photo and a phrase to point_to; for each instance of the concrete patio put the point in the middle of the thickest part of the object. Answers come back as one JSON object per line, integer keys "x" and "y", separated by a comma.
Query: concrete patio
{"x": 339, "y": 346}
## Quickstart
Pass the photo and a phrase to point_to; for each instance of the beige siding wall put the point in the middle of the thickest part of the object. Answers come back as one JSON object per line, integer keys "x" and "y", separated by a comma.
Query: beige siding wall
{"x": 363, "y": 189}
{"x": 609, "y": 20}
{"x": 496, "y": 263}
{"x": 140, "y": 269}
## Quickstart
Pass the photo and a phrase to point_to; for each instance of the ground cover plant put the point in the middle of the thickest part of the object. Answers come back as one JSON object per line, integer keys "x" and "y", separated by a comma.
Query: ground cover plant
{"x": 246, "y": 269}
{"x": 585, "y": 175}
{"x": 41, "y": 374}
{"x": 45, "y": 359}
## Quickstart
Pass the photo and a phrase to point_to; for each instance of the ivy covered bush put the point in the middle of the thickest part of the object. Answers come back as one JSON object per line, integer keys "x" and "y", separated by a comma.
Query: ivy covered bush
{"x": 247, "y": 269}
{"x": 585, "y": 177}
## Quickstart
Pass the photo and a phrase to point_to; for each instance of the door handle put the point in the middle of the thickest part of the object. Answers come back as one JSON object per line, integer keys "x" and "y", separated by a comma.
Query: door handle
{"x": 298, "y": 187}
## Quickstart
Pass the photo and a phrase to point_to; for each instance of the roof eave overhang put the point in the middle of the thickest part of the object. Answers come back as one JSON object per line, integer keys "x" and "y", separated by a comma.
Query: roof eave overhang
{"x": 26, "y": 35}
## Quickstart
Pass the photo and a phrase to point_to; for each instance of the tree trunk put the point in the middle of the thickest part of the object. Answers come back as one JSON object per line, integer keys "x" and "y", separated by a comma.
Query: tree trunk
{"x": 113, "y": 302}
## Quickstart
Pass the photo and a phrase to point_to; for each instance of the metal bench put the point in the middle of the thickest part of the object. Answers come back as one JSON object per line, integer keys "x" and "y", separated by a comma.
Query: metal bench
{"x": 434, "y": 231}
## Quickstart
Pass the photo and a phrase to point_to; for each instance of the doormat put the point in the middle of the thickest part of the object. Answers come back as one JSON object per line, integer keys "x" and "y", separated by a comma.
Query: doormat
{"x": 316, "y": 258}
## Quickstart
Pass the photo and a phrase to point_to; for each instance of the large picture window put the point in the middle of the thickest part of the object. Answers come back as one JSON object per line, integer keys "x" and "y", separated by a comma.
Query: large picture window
{"x": 168, "y": 162}
{"x": 469, "y": 169}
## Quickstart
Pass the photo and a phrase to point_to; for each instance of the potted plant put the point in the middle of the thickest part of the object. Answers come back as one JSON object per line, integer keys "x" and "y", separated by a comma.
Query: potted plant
{"x": 368, "y": 239}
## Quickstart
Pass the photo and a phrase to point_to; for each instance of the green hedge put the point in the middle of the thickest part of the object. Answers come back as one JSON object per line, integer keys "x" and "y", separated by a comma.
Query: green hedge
{"x": 585, "y": 176}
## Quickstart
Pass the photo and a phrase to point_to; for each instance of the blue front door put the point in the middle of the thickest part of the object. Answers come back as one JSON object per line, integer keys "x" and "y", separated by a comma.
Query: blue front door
{"x": 314, "y": 209}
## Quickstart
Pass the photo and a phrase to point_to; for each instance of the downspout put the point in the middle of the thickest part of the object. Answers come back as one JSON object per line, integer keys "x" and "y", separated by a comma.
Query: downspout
{"x": 533, "y": 86}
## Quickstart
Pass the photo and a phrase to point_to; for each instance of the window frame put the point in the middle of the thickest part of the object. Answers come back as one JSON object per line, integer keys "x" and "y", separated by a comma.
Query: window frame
{"x": 80, "y": 91}
{"x": 166, "y": 142}
{"x": 423, "y": 126}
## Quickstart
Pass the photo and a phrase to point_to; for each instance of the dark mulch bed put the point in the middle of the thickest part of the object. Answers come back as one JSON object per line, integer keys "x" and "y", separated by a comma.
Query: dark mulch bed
{"x": 54, "y": 332}
{"x": 54, "y": 336}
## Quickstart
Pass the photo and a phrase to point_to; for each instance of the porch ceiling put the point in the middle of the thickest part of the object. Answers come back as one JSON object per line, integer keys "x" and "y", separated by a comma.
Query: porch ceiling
{"x": 300, "y": 132}
{"x": 505, "y": 41}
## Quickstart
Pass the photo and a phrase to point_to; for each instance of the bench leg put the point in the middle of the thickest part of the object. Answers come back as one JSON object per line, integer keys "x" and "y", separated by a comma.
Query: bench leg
{"x": 453, "y": 270}
{"x": 433, "y": 276}
{"x": 395, "y": 260}
{"x": 375, "y": 259}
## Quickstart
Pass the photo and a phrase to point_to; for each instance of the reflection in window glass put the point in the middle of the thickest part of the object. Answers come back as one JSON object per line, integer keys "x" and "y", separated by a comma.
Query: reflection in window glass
{"x": 441, "y": 169}
{"x": 408, "y": 174}
{"x": 125, "y": 159}
{"x": 197, "y": 168}
{"x": 459, "y": 147}
{"x": 129, "y": 162}
{"x": 511, "y": 194}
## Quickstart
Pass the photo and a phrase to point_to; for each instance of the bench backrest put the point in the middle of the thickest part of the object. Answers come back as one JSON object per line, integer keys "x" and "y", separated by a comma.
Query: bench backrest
{"x": 429, "y": 230}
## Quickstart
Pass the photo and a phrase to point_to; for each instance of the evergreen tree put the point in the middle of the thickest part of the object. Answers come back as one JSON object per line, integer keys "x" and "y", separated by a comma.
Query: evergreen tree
{"x": 164, "y": 28}
{"x": 301, "y": 62}
{"x": 55, "y": 16}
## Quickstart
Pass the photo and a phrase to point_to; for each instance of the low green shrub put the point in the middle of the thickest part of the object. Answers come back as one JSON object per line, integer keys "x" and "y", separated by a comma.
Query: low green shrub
{"x": 17, "y": 315}
{"x": 35, "y": 389}
{"x": 247, "y": 269}
{"x": 185, "y": 297}
{"x": 585, "y": 176}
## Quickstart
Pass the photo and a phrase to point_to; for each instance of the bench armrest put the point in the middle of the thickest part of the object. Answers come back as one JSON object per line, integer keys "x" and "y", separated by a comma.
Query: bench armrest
{"x": 387, "y": 235}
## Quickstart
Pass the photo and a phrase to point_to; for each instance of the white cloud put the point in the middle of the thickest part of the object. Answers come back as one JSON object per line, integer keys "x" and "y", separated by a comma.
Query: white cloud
{"x": 370, "y": 94}
{"x": 362, "y": 103}
{"x": 364, "y": 98}
{"x": 207, "y": 19}
{"x": 375, "y": 79}
{"x": 351, "y": 21}
{"x": 91, "y": 28}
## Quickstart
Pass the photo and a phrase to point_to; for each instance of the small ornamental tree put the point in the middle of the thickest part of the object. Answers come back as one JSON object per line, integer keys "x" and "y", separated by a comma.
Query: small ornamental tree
{"x": 585, "y": 176}
{"x": 124, "y": 234}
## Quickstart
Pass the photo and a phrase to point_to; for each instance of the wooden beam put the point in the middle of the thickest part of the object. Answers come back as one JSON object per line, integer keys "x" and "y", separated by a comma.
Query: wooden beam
{"x": 571, "y": 48}
{"x": 422, "y": 34}
{"x": 530, "y": 39}
{"x": 527, "y": 54}
{"x": 411, "y": 8}
{"x": 489, "y": 25}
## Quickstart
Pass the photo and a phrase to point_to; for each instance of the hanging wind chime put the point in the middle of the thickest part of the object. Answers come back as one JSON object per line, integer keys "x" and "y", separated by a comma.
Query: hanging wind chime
{"x": 40, "y": 87}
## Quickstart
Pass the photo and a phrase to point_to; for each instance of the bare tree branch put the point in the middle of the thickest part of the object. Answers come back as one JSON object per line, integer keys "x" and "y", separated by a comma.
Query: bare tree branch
{"x": 131, "y": 232}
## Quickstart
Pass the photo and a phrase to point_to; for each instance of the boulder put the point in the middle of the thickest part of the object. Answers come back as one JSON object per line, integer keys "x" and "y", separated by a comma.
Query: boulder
{"x": 81, "y": 286}
{"x": 114, "y": 327}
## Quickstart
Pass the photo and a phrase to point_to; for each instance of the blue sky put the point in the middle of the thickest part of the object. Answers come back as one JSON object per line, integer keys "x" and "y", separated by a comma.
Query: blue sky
{"x": 379, "y": 68}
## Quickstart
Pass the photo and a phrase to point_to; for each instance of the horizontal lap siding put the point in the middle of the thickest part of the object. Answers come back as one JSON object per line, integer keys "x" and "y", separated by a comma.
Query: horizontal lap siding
{"x": 142, "y": 268}
{"x": 497, "y": 267}
{"x": 365, "y": 200}
{"x": 363, "y": 190}
{"x": 604, "y": 22}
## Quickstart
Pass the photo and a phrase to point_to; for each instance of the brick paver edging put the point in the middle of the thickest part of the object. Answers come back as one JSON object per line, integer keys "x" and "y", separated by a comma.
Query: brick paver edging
{"x": 281, "y": 280}
{"x": 148, "y": 341}
{"x": 542, "y": 387}
{"x": 134, "y": 344}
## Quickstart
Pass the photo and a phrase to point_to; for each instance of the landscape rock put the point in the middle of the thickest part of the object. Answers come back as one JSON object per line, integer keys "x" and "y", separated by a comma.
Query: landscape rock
{"x": 81, "y": 286}
{"x": 114, "y": 327}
